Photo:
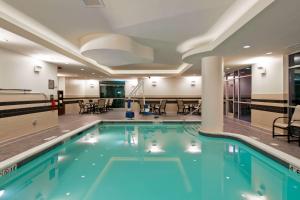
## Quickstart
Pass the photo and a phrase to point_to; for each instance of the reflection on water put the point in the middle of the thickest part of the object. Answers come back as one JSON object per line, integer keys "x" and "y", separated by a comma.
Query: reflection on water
{"x": 151, "y": 161}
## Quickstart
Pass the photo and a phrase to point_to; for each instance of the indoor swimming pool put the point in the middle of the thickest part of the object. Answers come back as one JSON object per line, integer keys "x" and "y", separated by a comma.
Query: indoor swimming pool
{"x": 150, "y": 161}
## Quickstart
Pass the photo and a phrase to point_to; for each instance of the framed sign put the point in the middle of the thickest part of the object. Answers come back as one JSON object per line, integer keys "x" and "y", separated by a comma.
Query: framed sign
{"x": 51, "y": 84}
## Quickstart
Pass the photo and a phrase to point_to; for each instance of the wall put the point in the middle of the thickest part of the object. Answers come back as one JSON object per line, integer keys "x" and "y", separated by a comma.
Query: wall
{"x": 174, "y": 87}
{"x": 81, "y": 88}
{"x": 25, "y": 113}
{"x": 269, "y": 90}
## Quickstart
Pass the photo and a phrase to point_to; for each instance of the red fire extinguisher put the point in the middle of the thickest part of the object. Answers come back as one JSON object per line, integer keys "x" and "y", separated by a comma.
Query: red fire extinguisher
{"x": 53, "y": 103}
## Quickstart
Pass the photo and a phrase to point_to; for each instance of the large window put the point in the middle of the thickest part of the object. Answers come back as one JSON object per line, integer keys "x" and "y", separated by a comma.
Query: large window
{"x": 115, "y": 90}
{"x": 238, "y": 94}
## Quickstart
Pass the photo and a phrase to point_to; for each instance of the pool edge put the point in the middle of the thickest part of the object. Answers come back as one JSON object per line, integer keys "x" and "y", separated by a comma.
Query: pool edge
{"x": 19, "y": 160}
{"x": 28, "y": 155}
{"x": 287, "y": 160}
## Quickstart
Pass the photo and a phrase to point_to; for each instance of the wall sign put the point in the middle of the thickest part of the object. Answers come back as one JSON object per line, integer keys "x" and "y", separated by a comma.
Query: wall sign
{"x": 51, "y": 84}
{"x": 8, "y": 170}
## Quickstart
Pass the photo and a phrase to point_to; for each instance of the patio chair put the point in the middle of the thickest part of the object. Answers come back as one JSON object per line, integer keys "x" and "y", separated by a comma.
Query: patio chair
{"x": 197, "y": 108}
{"x": 161, "y": 108}
{"x": 83, "y": 108}
{"x": 142, "y": 105}
{"x": 181, "y": 107}
{"x": 101, "y": 106}
{"x": 291, "y": 127}
{"x": 110, "y": 104}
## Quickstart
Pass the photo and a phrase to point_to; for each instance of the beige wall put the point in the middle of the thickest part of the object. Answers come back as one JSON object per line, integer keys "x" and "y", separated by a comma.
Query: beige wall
{"x": 273, "y": 85}
{"x": 81, "y": 88}
{"x": 173, "y": 87}
{"x": 17, "y": 72}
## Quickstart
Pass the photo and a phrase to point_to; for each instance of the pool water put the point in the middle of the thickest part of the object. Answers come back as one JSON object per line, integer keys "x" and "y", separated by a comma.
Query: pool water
{"x": 150, "y": 161}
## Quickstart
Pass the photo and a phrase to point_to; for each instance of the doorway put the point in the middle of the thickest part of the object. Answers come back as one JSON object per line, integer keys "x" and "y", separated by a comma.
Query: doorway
{"x": 237, "y": 94}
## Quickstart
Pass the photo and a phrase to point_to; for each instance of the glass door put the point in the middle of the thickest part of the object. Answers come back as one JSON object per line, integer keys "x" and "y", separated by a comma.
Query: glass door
{"x": 238, "y": 94}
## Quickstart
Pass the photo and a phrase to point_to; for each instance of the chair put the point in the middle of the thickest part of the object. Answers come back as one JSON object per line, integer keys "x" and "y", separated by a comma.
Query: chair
{"x": 142, "y": 105}
{"x": 181, "y": 107}
{"x": 83, "y": 108}
{"x": 291, "y": 126}
{"x": 197, "y": 108}
{"x": 161, "y": 108}
{"x": 110, "y": 104}
{"x": 101, "y": 105}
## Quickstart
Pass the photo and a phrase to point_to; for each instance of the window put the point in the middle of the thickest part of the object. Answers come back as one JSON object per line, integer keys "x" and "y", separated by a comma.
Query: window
{"x": 115, "y": 90}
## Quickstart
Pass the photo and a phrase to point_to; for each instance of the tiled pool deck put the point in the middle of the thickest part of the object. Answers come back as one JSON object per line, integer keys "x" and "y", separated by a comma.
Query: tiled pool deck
{"x": 71, "y": 122}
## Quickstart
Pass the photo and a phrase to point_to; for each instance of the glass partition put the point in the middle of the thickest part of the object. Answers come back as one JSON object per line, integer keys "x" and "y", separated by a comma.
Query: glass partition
{"x": 238, "y": 94}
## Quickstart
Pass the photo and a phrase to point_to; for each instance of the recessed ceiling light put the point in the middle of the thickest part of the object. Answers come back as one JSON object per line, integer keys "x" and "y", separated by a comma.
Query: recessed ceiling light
{"x": 246, "y": 46}
{"x": 93, "y": 73}
{"x": 269, "y": 53}
{"x": 82, "y": 69}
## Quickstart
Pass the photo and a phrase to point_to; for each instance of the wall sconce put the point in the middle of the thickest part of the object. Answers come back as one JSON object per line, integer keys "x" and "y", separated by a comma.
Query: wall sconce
{"x": 262, "y": 70}
{"x": 154, "y": 83}
{"x": 37, "y": 69}
{"x": 193, "y": 83}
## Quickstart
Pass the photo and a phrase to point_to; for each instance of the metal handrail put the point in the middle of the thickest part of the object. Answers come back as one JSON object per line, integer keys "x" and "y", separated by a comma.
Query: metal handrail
{"x": 25, "y": 92}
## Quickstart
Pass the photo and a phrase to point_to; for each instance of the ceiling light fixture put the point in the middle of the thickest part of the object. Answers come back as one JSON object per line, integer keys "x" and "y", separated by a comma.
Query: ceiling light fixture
{"x": 82, "y": 69}
{"x": 269, "y": 53}
{"x": 246, "y": 46}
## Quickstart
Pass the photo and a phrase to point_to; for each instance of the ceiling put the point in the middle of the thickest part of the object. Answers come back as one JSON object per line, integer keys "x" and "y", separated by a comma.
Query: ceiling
{"x": 164, "y": 25}
{"x": 274, "y": 30}
{"x": 160, "y": 25}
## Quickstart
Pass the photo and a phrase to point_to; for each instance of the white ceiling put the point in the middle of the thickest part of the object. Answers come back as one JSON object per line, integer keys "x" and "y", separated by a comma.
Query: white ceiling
{"x": 273, "y": 30}
{"x": 164, "y": 24}
{"x": 159, "y": 24}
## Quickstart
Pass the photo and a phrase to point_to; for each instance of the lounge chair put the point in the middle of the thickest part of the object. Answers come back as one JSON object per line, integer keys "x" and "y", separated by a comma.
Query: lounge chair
{"x": 161, "y": 108}
{"x": 181, "y": 107}
{"x": 291, "y": 127}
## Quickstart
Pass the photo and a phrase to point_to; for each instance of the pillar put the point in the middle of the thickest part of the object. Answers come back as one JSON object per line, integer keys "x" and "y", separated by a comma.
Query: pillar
{"x": 212, "y": 94}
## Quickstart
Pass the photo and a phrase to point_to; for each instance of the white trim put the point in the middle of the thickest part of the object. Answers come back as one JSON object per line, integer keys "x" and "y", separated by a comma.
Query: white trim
{"x": 291, "y": 160}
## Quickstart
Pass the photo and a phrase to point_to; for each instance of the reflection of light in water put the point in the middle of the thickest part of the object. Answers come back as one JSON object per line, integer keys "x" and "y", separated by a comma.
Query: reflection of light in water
{"x": 248, "y": 196}
{"x": 233, "y": 148}
{"x": 60, "y": 158}
{"x": 154, "y": 148}
{"x": 131, "y": 137}
{"x": 134, "y": 139}
{"x": 68, "y": 193}
{"x": 2, "y": 192}
{"x": 194, "y": 148}
{"x": 89, "y": 139}
{"x": 230, "y": 148}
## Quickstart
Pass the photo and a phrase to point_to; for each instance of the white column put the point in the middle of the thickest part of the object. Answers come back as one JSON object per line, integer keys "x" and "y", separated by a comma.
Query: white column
{"x": 212, "y": 94}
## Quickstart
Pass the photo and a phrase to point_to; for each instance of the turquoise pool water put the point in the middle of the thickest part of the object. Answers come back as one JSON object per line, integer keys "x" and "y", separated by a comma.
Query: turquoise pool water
{"x": 146, "y": 161}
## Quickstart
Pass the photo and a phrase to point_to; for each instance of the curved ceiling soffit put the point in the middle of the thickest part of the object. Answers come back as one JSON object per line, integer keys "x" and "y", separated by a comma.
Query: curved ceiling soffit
{"x": 115, "y": 50}
{"x": 241, "y": 12}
